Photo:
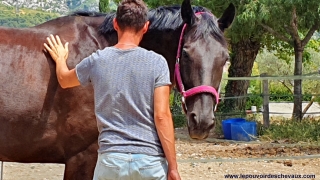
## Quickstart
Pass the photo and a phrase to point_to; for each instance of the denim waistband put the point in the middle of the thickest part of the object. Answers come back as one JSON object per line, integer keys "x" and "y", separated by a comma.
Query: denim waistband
{"x": 130, "y": 156}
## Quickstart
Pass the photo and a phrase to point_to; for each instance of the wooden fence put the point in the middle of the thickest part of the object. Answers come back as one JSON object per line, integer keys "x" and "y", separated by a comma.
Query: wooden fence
{"x": 265, "y": 93}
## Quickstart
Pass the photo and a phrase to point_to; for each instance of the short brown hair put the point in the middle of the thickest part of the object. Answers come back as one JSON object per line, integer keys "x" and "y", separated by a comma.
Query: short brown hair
{"x": 132, "y": 14}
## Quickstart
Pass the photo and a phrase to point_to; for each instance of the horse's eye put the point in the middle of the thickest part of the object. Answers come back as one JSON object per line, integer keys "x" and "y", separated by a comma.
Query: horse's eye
{"x": 185, "y": 54}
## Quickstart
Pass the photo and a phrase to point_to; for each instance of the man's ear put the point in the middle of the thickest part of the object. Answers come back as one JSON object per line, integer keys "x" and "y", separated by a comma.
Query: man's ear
{"x": 145, "y": 27}
{"x": 115, "y": 24}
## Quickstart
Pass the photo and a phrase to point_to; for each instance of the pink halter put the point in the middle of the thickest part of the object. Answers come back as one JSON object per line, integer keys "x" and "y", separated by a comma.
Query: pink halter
{"x": 177, "y": 75}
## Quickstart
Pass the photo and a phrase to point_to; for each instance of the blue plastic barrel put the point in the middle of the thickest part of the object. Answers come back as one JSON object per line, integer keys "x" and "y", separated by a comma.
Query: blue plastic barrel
{"x": 226, "y": 126}
{"x": 244, "y": 131}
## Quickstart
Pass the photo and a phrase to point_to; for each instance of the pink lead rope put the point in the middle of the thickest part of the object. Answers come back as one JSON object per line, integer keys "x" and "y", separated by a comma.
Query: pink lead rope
{"x": 177, "y": 75}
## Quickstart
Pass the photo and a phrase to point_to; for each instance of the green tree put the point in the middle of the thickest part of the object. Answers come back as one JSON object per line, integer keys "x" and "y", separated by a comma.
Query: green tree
{"x": 298, "y": 23}
{"x": 108, "y": 5}
{"x": 157, "y": 3}
{"x": 104, "y": 6}
{"x": 272, "y": 65}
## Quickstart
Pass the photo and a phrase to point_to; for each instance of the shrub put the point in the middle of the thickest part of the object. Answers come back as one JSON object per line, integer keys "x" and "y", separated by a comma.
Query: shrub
{"x": 254, "y": 100}
{"x": 179, "y": 120}
{"x": 308, "y": 130}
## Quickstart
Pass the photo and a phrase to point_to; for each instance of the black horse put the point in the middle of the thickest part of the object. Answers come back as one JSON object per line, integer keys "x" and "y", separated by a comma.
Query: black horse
{"x": 41, "y": 122}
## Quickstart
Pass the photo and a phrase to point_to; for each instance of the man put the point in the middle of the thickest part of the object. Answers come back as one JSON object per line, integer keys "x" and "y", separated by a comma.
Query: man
{"x": 131, "y": 91}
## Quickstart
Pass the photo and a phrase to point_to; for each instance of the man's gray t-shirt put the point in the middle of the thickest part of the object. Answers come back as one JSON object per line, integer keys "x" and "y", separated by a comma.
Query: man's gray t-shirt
{"x": 124, "y": 83}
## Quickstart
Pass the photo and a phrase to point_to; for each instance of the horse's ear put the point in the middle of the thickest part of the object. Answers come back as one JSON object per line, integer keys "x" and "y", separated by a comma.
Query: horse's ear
{"x": 227, "y": 18}
{"x": 187, "y": 13}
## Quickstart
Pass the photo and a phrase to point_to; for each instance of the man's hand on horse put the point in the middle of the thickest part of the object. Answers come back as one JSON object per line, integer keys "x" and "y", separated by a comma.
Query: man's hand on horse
{"x": 56, "y": 49}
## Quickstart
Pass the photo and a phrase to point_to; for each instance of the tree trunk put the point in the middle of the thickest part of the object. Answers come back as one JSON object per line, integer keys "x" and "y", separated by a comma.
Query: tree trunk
{"x": 297, "y": 89}
{"x": 243, "y": 56}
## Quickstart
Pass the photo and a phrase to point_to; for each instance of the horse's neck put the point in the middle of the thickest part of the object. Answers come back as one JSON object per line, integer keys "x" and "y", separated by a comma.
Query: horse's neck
{"x": 94, "y": 23}
{"x": 164, "y": 43}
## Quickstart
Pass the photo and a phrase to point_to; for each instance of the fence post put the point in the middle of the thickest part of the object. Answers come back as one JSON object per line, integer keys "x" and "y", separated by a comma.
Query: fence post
{"x": 265, "y": 94}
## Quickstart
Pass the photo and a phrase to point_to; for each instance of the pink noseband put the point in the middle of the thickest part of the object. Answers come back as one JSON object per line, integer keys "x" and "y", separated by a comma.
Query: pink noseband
{"x": 177, "y": 75}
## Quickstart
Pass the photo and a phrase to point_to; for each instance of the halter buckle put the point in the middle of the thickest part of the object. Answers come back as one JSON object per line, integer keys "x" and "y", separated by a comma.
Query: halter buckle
{"x": 183, "y": 103}
{"x": 183, "y": 100}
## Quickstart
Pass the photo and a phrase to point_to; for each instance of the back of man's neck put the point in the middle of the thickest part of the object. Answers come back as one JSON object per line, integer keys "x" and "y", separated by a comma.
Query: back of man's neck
{"x": 128, "y": 40}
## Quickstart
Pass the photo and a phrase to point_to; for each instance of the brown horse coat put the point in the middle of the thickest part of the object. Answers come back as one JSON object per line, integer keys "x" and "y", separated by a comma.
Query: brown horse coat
{"x": 39, "y": 121}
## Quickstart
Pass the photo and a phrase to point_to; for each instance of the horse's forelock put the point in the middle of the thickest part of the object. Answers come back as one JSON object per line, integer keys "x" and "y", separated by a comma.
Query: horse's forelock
{"x": 208, "y": 26}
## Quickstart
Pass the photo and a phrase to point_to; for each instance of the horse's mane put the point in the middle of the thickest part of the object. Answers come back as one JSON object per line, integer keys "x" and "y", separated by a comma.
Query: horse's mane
{"x": 87, "y": 13}
{"x": 166, "y": 18}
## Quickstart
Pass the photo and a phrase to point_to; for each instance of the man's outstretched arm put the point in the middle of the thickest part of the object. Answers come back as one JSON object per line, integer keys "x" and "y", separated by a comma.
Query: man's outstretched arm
{"x": 165, "y": 129}
{"x": 59, "y": 53}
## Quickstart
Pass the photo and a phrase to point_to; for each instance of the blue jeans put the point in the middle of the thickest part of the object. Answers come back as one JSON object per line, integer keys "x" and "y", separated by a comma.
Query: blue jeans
{"x": 122, "y": 166}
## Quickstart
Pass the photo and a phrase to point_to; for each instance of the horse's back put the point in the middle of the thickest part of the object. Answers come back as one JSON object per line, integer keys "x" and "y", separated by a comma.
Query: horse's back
{"x": 40, "y": 122}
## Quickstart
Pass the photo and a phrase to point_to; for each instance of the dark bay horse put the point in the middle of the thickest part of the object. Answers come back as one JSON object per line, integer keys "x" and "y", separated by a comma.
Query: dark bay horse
{"x": 41, "y": 122}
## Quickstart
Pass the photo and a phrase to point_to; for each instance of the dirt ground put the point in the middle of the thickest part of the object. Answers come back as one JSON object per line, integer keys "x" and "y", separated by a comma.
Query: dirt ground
{"x": 211, "y": 159}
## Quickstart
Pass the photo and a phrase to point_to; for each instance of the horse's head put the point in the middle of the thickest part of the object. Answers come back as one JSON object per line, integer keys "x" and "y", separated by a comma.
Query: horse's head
{"x": 203, "y": 54}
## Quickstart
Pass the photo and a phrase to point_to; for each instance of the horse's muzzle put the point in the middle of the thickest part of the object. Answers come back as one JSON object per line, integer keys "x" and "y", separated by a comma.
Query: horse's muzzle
{"x": 200, "y": 127}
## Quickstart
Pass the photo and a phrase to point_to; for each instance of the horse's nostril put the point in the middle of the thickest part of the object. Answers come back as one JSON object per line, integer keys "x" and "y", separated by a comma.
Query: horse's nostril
{"x": 193, "y": 118}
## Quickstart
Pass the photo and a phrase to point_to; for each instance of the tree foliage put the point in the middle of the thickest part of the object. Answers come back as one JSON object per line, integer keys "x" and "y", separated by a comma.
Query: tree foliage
{"x": 104, "y": 6}
{"x": 298, "y": 23}
{"x": 157, "y": 3}
{"x": 245, "y": 25}
{"x": 108, "y": 5}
